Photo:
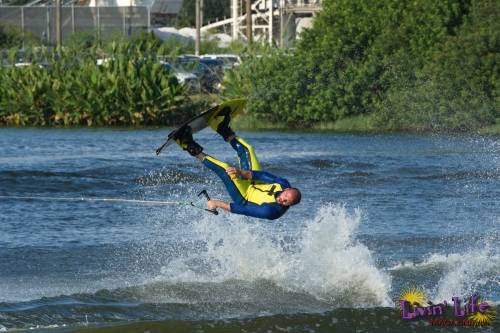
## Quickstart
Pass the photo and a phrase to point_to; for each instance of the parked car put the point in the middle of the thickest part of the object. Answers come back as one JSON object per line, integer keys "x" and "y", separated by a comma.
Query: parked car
{"x": 230, "y": 60}
{"x": 22, "y": 59}
{"x": 104, "y": 61}
{"x": 216, "y": 65}
{"x": 26, "y": 64}
{"x": 189, "y": 80}
{"x": 210, "y": 80}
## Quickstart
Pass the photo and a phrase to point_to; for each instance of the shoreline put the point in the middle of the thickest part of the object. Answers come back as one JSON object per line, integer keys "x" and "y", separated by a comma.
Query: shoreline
{"x": 343, "y": 126}
{"x": 485, "y": 131}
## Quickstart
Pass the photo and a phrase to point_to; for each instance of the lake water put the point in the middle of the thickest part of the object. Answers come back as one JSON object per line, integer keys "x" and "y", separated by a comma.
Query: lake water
{"x": 379, "y": 213}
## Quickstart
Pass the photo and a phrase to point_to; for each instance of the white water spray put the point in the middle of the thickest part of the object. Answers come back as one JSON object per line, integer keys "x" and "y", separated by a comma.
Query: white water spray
{"x": 325, "y": 261}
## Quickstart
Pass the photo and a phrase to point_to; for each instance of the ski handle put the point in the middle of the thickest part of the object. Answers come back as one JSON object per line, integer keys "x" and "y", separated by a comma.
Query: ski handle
{"x": 158, "y": 151}
{"x": 205, "y": 194}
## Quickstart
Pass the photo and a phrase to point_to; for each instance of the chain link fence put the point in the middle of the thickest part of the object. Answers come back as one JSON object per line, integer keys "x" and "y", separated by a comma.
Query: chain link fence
{"x": 40, "y": 21}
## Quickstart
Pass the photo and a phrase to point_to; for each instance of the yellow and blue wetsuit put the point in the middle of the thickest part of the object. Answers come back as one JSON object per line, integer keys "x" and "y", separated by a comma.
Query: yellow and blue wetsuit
{"x": 254, "y": 197}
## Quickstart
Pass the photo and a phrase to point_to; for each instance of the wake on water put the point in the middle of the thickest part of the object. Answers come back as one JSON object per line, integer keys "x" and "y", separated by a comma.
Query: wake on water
{"x": 325, "y": 261}
{"x": 459, "y": 274}
{"x": 247, "y": 269}
{"x": 322, "y": 261}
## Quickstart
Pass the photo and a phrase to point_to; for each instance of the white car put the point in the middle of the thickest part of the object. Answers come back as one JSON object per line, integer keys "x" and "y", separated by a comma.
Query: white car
{"x": 26, "y": 64}
{"x": 186, "y": 79}
{"x": 230, "y": 60}
{"x": 104, "y": 61}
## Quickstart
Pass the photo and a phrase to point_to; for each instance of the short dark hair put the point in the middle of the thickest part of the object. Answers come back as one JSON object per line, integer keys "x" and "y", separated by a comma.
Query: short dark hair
{"x": 299, "y": 195}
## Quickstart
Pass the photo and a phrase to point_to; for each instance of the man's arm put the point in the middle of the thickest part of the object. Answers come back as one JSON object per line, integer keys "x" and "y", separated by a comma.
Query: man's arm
{"x": 250, "y": 209}
{"x": 214, "y": 204}
{"x": 269, "y": 178}
{"x": 234, "y": 172}
{"x": 264, "y": 211}
{"x": 262, "y": 176}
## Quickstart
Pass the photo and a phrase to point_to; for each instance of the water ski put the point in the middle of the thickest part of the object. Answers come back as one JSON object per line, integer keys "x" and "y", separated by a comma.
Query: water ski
{"x": 202, "y": 120}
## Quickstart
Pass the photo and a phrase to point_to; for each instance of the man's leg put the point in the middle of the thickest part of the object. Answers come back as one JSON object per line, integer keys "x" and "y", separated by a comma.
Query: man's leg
{"x": 235, "y": 187}
{"x": 220, "y": 123}
{"x": 184, "y": 138}
{"x": 246, "y": 154}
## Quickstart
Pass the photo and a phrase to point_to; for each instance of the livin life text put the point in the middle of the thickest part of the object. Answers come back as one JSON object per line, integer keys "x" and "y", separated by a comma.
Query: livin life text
{"x": 470, "y": 307}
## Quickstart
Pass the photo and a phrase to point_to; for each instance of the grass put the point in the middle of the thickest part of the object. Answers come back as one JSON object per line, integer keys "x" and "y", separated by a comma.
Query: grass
{"x": 360, "y": 124}
{"x": 249, "y": 122}
{"x": 355, "y": 124}
{"x": 492, "y": 129}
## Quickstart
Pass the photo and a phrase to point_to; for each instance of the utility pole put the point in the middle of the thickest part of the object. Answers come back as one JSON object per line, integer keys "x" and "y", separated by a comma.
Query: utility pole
{"x": 202, "y": 6}
{"x": 198, "y": 28}
{"x": 249, "y": 20}
{"x": 129, "y": 19}
{"x": 234, "y": 16}
{"x": 270, "y": 3}
{"x": 282, "y": 25}
{"x": 58, "y": 26}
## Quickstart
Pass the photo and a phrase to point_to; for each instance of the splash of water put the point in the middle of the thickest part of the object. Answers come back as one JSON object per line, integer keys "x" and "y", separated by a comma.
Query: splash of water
{"x": 462, "y": 273}
{"x": 474, "y": 271}
{"x": 325, "y": 260}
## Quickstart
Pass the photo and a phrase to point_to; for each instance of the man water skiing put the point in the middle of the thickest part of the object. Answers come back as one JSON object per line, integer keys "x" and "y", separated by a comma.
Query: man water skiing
{"x": 254, "y": 192}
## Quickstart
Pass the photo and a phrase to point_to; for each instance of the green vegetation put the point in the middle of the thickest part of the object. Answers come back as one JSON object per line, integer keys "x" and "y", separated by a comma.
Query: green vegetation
{"x": 212, "y": 9}
{"x": 129, "y": 87}
{"x": 15, "y": 2}
{"x": 10, "y": 36}
{"x": 389, "y": 65}
{"x": 493, "y": 129}
{"x": 114, "y": 81}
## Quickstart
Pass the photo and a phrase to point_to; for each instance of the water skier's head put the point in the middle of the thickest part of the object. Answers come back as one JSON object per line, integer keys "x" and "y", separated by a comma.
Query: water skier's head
{"x": 289, "y": 197}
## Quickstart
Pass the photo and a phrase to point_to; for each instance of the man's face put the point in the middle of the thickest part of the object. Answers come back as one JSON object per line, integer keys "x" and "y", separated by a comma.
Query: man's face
{"x": 286, "y": 198}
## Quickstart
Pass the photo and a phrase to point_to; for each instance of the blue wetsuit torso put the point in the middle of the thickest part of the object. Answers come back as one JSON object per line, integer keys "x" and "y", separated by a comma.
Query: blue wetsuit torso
{"x": 266, "y": 210}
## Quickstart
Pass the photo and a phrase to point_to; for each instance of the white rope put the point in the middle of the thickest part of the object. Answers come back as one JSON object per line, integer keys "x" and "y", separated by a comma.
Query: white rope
{"x": 151, "y": 202}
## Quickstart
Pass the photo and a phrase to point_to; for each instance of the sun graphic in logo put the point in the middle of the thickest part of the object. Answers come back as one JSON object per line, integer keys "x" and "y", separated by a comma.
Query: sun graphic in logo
{"x": 479, "y": 318}
{"x": 414, "y": 296}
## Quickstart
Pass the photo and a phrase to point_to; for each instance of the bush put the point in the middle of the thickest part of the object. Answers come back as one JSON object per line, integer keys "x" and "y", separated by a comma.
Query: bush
{"x": 407, "y": 64}
{"x": 10, "y": 36}
{"x": 212, "y": 9}
{"x": 130, "y": 88}
{"x": 458, "y": 87}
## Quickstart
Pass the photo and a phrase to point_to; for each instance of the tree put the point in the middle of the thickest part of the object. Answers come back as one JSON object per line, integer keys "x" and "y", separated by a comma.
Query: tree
{"x": 212, "y": 9}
